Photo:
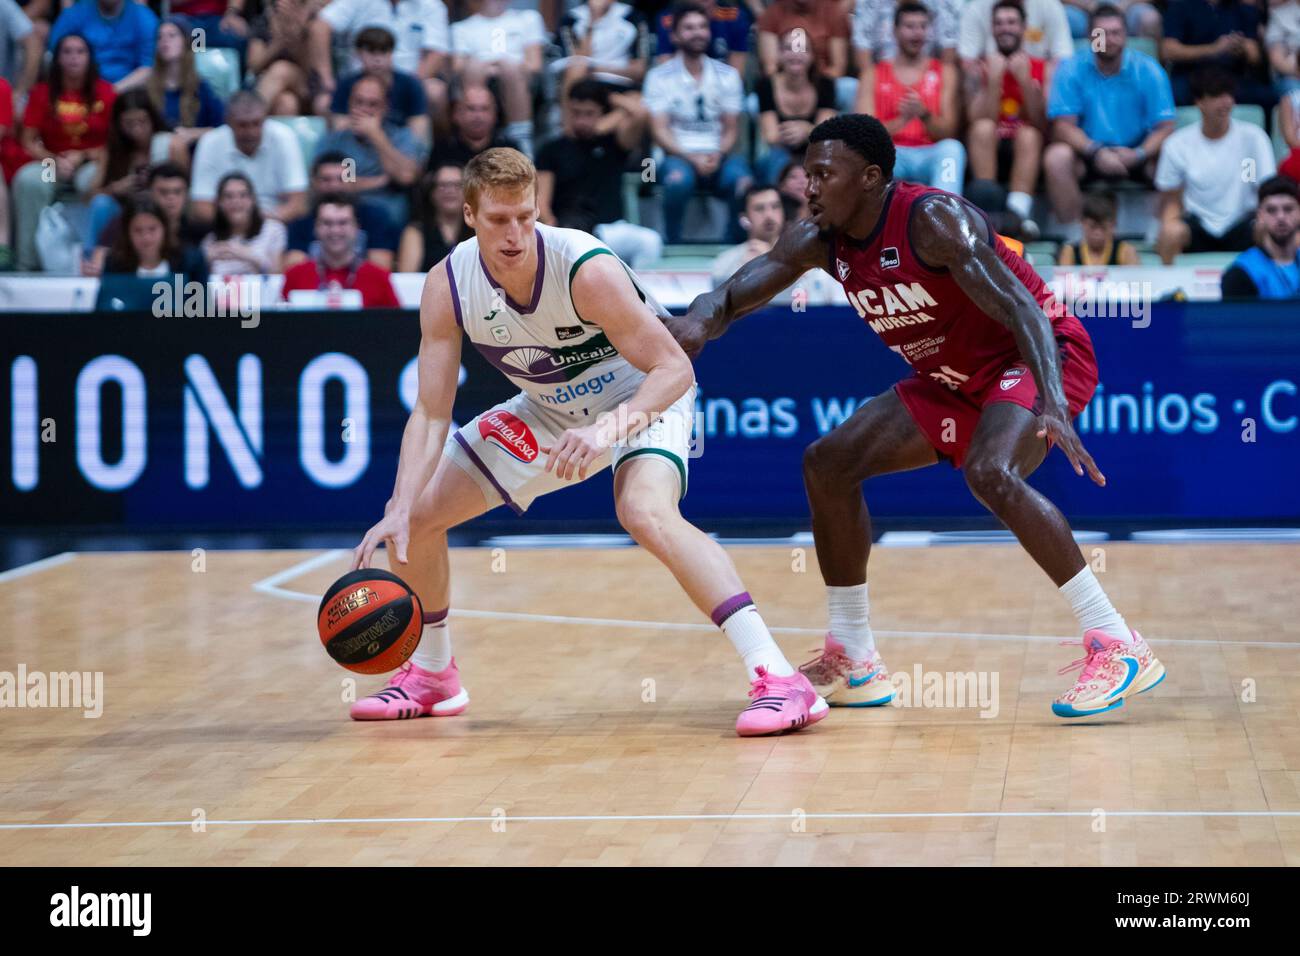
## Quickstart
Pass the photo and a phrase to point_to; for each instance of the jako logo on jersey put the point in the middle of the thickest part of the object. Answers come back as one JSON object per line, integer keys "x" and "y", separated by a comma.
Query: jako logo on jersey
{"x": 842, "y": 268}
{"x": 889, "y": 258}
{"x": 511, "y": 433}
{"x": 1010, "y": 378}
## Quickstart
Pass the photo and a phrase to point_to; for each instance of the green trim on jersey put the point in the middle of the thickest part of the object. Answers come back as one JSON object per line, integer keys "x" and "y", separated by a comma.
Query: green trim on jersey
{"x": 681, "y": 466}
{"x": 573, "y": 271}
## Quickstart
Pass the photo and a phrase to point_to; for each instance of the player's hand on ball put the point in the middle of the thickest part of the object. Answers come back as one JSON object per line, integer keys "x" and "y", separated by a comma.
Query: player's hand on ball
{"x": 394, "y": 528}
{"x": 576, "y": 450}
{"x": 1055, "y": 425}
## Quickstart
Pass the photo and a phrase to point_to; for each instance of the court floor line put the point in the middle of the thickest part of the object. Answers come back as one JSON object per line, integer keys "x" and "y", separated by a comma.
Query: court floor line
{"x": 35, "y": 567}
{"x": 656, "y": 817}
{"x": 271, "y": 586}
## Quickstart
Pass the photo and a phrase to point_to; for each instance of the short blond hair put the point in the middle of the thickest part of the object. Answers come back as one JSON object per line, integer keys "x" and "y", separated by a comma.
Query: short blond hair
{"x": 498, "y": 170}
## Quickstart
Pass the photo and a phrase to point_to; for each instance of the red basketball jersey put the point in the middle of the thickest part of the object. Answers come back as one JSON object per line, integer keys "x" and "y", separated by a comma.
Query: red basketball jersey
{"x": 920, "y": 312}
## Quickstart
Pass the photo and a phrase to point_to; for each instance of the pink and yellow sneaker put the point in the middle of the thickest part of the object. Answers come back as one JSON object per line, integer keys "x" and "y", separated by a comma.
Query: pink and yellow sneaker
{"x": 848, "y": 683}
{"x": 415, "y": 692}
{"x": 1113, "y": 670}
{"x": 780, "y": 705}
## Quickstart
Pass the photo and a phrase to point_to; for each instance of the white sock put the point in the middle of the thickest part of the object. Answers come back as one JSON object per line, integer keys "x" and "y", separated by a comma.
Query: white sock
{"x": 1022, "y": 204}
{"x": 1092, "y": 607}
{"x": 850, "y": 615}
{"x": 744, "y": 627}
{"x": 434, "y": 650}
{"x": 522, "y": 133}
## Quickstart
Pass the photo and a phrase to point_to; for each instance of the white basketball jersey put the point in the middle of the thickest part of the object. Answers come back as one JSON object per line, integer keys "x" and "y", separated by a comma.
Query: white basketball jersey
{"x": 543, "y": 346}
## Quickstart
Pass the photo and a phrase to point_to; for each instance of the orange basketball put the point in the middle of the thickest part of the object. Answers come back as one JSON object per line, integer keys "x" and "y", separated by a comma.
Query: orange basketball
{"x": 370, "y": 621}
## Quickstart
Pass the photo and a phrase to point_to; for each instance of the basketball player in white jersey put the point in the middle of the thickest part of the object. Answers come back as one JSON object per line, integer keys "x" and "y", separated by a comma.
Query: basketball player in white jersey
{"x": 601, "y": 382}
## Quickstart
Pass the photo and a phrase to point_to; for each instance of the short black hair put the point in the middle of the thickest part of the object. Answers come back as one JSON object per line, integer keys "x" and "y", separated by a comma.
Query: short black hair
{"x": 1009, "y": 5}
{"x": 1212, "y": 81}
{"x": 1101, "y": 206}
{"x": 680, "y": 10}
{"x": 166, "y": 170}
{"x": 335, "y": 199}
{"x": 910, "y": 6}
{"x": 1104, "y": 11}
{"x": 375, "y": 39}
{"x": 1279, "y": 185}
{"x": 753, "y": 191}
{"x": 327, "y": 158}
{"x": 590, "y": 91}
{"x": 863, "y": 134}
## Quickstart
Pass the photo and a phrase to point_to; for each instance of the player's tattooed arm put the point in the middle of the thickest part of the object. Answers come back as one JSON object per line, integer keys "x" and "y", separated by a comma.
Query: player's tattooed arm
{"x": 799, "y": 248}
{"x": 945, "y": 233}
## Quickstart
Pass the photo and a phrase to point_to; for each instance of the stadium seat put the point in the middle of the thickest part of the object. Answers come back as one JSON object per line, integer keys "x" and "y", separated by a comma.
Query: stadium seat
{"x": 1207, "y": 260}
{"x": 220, "y": 67}
{"x": 308, "y": 129}
{"x": 1242, "y": 113}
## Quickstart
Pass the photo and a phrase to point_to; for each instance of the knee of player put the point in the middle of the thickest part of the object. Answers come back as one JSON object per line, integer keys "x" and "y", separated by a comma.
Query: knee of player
{"x": 824, "y": 463}
{"x": 991, "y": 481}
{"x": 643, "y": 518}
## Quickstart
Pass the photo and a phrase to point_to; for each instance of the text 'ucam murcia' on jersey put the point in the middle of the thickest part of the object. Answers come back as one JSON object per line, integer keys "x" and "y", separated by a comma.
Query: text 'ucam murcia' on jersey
{"x": 544, "y": 346}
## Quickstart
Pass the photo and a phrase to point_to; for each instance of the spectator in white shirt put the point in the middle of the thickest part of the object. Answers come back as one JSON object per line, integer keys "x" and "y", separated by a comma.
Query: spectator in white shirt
{"x": 19, "y": 36}
{"x": 873, "y": 31}
{"x": 267, "y": 153}
{"x": 503, "y": 46}
{"x": 605, "y": 40}
{"x": 763, "y": 218}
{"x": 242, "y": 242}
{"x": 420, "y": 29}
{"x": 695, "y": 104}
{"x": 1047, "y": 32}
{"x": 1282, "y": 40}
{"x": 1209, "y": 174}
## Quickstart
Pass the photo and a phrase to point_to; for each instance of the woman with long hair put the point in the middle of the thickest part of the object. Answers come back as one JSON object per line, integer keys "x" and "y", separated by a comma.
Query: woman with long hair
{"x": 439, "y": 223}
{"x": 184, "y": 99}
{"x": 790, "y": 103}
{"x": 125, "y": 169}
{"x": 145, "y": 247}
{"x": 242, "y": 242}
{"x": 65, "y": 129}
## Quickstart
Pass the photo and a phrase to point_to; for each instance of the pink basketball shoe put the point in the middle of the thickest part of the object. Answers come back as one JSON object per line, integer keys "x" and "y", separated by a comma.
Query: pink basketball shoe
{"x": 415, "y": 692}
{"x": 780, "y": 705}
{"x": 1113, "y": 670}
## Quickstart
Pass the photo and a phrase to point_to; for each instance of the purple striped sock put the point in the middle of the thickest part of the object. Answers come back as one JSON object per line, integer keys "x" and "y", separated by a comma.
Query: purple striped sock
{"x": 730, "y": 606}
{"x": 435, "y": 617}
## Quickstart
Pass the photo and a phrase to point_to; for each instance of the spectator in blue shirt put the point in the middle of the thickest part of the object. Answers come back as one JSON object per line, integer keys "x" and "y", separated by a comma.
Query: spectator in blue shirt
{"x": 407, "y": 104}
{"x": 729, "y": 25}
{"x": 184, "y": 99}
{"x": 1110, "y": 113}
{"x": 121, "y": 37}
{"x": 1222, "y": 33}
{"x": 1270, "y": 269}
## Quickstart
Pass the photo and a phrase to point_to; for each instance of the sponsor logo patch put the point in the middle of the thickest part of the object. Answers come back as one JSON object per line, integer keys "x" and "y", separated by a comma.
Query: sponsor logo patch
{"x": 889, "y": 257}
{"x": 501, "y": 334}
{"x": 566, "y": 332}
{"x": 842, "y": 268}
{"x": 510, "y": 433}
{"x": 1007, "y": 384}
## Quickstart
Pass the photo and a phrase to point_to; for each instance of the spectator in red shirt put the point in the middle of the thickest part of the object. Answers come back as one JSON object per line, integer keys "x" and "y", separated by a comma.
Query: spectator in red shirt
{"x": 337, "y": 266}
{"x": 66, "y": 122}
{"x": 1006, "y": 104}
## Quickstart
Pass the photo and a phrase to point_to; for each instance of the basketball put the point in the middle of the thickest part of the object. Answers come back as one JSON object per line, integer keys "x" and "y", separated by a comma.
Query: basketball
{"x": 370, "y": 621}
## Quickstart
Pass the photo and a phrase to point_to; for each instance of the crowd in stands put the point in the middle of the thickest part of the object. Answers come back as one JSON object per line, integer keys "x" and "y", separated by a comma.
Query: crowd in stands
{"x": 325, "y": 139}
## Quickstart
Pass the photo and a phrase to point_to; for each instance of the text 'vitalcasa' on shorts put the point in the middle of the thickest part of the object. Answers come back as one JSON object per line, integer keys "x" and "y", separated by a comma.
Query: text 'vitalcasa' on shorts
{"x": 501, "y": 449}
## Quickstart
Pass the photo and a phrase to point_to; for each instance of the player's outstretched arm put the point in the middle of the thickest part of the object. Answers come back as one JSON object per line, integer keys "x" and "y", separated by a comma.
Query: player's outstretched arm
{"x": 946, "y": 234}
{"x": 426, "y": 429}
{"x": 799, "y": 248}
{"x": 604, "y": 295}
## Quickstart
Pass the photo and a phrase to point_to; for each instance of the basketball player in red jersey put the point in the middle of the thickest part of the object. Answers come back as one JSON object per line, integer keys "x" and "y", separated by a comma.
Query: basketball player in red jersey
{"x": 1000, "y": 370}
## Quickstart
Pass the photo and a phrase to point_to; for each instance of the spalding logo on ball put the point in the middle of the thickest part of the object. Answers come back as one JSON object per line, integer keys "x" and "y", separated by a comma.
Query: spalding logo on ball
{"x": 370, "y": 621}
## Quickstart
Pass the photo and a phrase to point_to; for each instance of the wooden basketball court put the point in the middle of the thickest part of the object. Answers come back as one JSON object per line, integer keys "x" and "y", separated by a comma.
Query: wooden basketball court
{"x": 601, "y": 723}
